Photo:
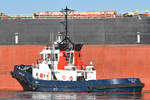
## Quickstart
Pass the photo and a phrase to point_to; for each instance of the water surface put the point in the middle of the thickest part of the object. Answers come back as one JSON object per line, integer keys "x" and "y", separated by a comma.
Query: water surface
{"x": 21, "y": 95}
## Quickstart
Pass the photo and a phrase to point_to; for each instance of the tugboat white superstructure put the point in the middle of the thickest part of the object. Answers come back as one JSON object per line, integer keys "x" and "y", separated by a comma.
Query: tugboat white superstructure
{"x": 63, "y": 62}
{"x": 61, "y": 69}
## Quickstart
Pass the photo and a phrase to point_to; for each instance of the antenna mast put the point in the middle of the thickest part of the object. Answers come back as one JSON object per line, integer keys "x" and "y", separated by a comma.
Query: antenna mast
{"x": 65, "y": 43}
{"x": 66, "y": 12}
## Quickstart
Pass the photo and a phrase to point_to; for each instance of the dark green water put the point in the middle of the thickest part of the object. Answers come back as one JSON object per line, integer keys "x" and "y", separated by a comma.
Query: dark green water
{"x": 13, "y": 95}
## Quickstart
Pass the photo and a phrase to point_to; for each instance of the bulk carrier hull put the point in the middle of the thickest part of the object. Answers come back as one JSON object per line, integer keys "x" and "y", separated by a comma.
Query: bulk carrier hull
{"x": 119, "y": 52}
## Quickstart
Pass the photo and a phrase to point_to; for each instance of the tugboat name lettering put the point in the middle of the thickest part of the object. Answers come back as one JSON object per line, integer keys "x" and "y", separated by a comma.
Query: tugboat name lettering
{"x": 132, "y": 80}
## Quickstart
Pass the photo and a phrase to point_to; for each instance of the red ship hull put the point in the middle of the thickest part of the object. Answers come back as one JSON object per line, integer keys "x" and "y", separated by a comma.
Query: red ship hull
{"x": 111, "y": 61}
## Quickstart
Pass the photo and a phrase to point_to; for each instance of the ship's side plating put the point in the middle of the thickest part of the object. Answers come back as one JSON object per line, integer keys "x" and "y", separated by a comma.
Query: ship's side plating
{"x": 119, "y": 60}
{"x": 133, "y": 30}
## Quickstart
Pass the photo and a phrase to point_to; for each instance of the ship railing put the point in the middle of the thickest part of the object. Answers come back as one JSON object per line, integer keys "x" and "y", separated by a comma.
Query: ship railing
{"x": 59, "y": 17}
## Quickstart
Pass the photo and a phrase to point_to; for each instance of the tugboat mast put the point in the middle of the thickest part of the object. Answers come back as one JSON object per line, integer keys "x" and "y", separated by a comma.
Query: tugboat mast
{"x": 66, "y": 12}
{"x": 66, "y": 41}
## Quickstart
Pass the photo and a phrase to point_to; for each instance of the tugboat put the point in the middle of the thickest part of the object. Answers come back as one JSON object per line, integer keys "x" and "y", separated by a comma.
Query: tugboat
{"x": 61, "y": 69}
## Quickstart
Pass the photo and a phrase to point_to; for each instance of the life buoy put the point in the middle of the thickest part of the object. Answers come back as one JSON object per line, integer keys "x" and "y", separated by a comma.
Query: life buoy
{"x": 64, "y": 77}
{"x": 71, "y": 78}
